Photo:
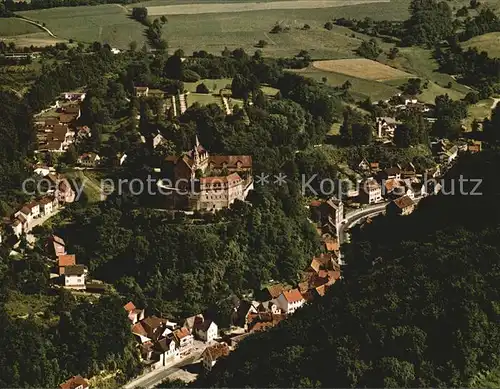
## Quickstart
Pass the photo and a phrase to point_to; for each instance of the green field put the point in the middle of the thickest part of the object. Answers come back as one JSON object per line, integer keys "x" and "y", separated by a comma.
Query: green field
{"x": 111, "y": 24}
{"x": 487, "y": 42}
{"x": 360, "y": 88}
{"x": 14, "y": 26}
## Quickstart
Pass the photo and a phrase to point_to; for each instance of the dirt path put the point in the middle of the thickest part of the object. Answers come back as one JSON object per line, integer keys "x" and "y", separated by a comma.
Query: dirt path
{"x": 39, "y": 26}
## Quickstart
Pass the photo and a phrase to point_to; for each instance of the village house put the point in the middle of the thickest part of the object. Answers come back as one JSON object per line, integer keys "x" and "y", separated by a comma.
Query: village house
{"x": 73, "y": 109}
{"x": 74, "y": 96}
{"x": 329, "y": 212}
{"x": 158, "y": 140}
{"x": 140, "y": 333}
{"x": 34, "y": 208}
{"x": 89, "y": 160}
{"x": 17, "y": 227}
{"x": 290, "y": 300}
{"x": 74, "y": 276}
{"x": 262, "y": 321}
{"x": 191, "y": 321}
{"x": 370, "y": 192}
{"x": 206, "y": 331}
{"x": 166, "y": 351}
{"x": 141, "y": 91}
{"x": 83, "y": 132}
{"x": 401, "y": 206}
{"x": 474, "y": 147}
{"x": 76, "y": 382}
{"x": 390, "y": 173}
{"x": 46, "y": 206}
{"x": 155, "y": 327}
{"x": 65, "y": 260}
{"x": 25, "y": 213}
{"x": 64, "y": 193}
{"x": 56, "y": 246}
{"x": 212, "y": 353}
{"x": 134, "y": 314}
{"x": 184, "y": 339}
{"x": 274, "y": 291}
{"x": 386, "y": 126}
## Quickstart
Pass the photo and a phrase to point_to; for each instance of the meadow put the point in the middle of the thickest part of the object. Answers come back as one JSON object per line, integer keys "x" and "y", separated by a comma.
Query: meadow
{"x": 488, "y": 42}
{"x": 15, "y": 26}
{"x": 361, "y": 68}
{"x": 212, "y": 32}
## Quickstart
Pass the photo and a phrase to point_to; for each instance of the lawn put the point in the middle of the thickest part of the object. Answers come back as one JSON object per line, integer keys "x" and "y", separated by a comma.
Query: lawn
{"x": 361, "y": 68}
{"x": 14, "y": 26}
{"x": 487, "y": 42}
{"x": 92, "y": 180}
{"x": 478, "y": 111}
{"x": 215, "y": 85}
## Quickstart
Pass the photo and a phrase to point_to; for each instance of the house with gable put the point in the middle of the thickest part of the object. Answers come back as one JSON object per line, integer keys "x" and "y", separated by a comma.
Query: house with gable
{"x": 56, "y": 246}
{"x": 75, "y": 382}
{"x": 401, "y": 206}
{"x": 184, "y": 340}
{"x": 65, "y": 260}
{"x": 206, "y": 330}
{"x": 213, "y": 353}
{"x": 74, "y": 277}
{"x": 134, "y": 314}
{"x": 290, "y": 300}
{"x": 166, "y": 351}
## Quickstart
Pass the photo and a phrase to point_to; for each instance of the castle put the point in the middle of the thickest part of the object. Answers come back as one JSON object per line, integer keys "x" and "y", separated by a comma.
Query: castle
{"x": 212, "y": 182}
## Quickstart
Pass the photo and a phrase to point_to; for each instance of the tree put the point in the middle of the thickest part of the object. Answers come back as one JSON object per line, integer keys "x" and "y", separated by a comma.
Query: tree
{"x": 393, "y": 53}
{"x": 202, "y": 88}
{"x": 140, "y": 14}
{"x": 132, "y": 46}
{"x": 262, "y": 43}
{"x": 402, "y": 136}
{"x": 369, "y": 49}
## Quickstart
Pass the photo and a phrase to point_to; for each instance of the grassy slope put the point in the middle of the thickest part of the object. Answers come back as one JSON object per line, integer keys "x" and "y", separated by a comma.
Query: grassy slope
{"x": 110, "y": 23}
{"x": 14, "y": 26}
{"x": 487, "y": 42}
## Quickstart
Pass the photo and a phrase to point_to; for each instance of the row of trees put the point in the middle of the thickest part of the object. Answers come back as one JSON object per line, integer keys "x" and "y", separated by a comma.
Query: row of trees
{"x": 14, "y": 6}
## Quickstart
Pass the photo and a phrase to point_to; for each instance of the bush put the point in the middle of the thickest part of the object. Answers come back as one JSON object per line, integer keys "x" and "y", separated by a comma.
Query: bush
{"x": 190, "y": 76}
{"x": 202, "y": 88}
{"x": 329, "y": 25}
{"x": 306, "y": 27}
{"x": 262, "y": 43}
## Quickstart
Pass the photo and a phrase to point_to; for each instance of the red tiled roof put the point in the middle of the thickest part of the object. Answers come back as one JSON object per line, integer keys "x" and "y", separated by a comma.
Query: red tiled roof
{"x": 138, "y": 329}
{"x": 404, "y": 202}
{"x": 292, "y": 295}
{"x": 74, "y": 382}
{"x": 181, "y": 333}
{"x": 67, "y": 260}
{"x": 129, "y": 306}
{"x": 230, "y": 161}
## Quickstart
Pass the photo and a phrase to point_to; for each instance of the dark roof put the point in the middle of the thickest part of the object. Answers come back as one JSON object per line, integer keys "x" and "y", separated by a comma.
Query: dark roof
{"x": 74, "y": 270}
{"x": 203, "y": 325}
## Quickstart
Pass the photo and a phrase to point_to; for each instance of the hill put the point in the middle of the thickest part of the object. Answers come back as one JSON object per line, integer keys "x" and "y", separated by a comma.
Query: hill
{"x": 425, "y": 315}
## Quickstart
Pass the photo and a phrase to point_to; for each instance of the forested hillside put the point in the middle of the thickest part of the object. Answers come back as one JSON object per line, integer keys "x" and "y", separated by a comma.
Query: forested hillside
{"x": 419, "y": 306}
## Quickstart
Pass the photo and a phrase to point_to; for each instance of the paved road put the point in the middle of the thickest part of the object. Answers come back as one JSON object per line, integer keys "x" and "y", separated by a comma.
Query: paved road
{"x": 155, "y": 377}
{"x": 370, "y": 211}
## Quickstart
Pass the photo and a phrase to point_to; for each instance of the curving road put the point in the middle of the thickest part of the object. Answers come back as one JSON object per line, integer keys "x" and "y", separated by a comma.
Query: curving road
{"x": 353, "y": 217}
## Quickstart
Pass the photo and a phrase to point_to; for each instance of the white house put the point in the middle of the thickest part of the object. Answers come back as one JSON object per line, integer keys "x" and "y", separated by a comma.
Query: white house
{"x": 24, "y": 214}
{"x": 290, "y": 300}
{"x": 184, "y": 339}
{"x": 74, "y": 277}
{"x": 167, "y": 350}
{"x": 46, "y": 206}
{"x": 212, "y": 353}
{"x": 17, "y": 227}
{"x": 42, "y": 171}
{"x": 34, "y": 208}
{"x": 206, "y": 331}
{"x": 370, "y": 192}
{"x": 74, "y": 96}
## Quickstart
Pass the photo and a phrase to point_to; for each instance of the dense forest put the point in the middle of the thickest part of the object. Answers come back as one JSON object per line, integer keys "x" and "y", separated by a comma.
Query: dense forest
{"x": 418, "y": 306}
